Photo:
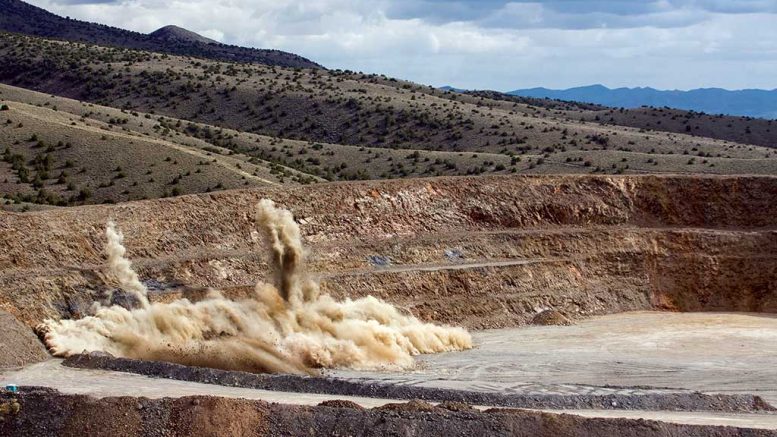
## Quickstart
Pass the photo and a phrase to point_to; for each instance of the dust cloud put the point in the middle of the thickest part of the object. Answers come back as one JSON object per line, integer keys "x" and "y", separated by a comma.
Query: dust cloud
{"x": 121, "y": 267}
{"x": 288, "y": 326}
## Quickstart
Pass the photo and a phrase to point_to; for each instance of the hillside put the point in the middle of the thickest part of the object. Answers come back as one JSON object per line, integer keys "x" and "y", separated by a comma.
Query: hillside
{"x": 377, "y": 127}
{"x": 61, "y": 152}
{"x": 748, "y": 103}
{"x": 57, "y": 155}
{"x": 747, "y": 130}
{"x": 738, "y": 129}
{"x": 21, "y": 17}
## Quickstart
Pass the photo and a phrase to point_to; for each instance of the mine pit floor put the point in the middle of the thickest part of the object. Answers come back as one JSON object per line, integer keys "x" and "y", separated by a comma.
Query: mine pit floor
{"x": 630, "y": 354}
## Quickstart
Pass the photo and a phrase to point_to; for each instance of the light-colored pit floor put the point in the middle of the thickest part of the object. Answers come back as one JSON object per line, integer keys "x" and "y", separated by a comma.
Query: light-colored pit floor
{"x": 631, "y": 353}
{"x": 708, "y": 352}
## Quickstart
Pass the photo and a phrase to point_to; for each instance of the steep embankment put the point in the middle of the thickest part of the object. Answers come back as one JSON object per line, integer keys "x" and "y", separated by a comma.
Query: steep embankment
{"x": 480, "y": 252}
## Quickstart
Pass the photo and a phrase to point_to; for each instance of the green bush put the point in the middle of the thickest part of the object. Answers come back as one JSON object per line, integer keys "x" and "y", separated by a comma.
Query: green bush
{"x": 4, "y": 108}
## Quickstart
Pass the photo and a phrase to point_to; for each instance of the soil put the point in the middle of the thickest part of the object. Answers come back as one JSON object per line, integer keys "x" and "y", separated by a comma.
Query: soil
{"x": 341, "y": 404}
{"x": 18, "y": 343}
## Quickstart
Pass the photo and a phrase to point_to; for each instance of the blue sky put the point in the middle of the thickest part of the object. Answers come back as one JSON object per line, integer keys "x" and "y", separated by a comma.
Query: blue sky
{"x": 491, "y": 44}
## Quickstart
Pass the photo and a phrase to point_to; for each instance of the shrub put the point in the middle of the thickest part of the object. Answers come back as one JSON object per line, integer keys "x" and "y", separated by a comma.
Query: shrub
{"x": 4, "y": 108}
{"x": 84, "y": 194}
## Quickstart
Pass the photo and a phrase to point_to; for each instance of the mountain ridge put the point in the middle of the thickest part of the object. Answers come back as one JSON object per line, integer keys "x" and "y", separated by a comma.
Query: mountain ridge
{"x": 760, "y": 103}
{"x": 24, "y": 18}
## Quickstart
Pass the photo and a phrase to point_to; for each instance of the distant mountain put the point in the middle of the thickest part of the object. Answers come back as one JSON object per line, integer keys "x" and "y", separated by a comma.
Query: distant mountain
{"x": 452, "y": 89}
{"x": 20, "y": 17}
{"x": 751, "y": 102}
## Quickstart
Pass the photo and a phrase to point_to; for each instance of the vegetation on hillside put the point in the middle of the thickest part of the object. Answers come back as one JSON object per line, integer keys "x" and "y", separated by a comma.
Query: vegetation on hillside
{"x": 292, "y": 125}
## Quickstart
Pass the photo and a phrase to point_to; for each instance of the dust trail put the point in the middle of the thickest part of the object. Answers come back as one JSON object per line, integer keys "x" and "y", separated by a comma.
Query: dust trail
{"x": 121, "y": 267}
{"x": 288, "y": 326}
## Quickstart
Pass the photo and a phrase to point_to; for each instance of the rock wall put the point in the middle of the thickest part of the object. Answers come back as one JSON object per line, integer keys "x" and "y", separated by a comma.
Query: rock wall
{"x": 482, "y": 251}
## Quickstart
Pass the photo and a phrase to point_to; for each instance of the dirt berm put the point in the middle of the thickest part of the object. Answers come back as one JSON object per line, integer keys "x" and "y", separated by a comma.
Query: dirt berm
{"x": 480, "y": 252}
{"x": 43, "y": 412}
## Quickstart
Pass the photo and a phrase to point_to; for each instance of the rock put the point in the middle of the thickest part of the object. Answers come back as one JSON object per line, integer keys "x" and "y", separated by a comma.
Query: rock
{"x": 456, "y": 406}
{"x": 551, "y": 318}
{"x": 339, "y": 403}
{"x": 414, "y": 405}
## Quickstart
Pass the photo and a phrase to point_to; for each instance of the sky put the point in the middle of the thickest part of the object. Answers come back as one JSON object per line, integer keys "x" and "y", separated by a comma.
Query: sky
{"x": 487, "y": 44}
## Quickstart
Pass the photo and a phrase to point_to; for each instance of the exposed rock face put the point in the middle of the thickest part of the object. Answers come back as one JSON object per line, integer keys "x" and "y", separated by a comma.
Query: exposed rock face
{"x": 18, "y": 344}
{"x": 582, "y": 245}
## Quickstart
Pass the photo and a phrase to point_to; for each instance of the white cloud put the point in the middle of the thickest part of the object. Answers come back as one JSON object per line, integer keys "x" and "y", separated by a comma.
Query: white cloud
{"x": 213, "y": 34}
{"x": 489, "y": 43}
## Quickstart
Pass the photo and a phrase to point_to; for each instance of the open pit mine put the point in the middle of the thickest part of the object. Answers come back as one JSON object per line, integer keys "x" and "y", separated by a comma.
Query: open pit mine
{"x": 505, "y": 306}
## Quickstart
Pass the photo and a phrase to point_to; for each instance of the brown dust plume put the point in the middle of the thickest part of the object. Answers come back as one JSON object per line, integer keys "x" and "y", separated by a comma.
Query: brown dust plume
{"x": 288, "y": 326}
